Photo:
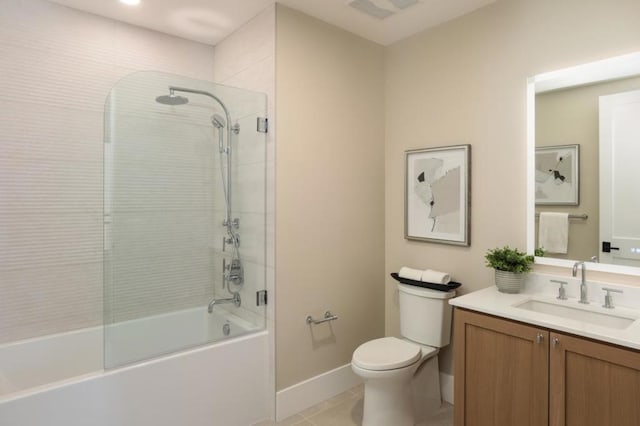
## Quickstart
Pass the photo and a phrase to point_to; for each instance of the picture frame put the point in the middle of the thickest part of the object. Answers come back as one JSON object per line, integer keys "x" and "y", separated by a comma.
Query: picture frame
{"x": 557, "y": 177}
{"x": 438, "y": 195}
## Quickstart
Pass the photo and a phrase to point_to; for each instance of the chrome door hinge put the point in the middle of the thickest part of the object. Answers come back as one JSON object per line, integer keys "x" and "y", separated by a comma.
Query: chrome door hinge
{"x": 262, "y": 124}
{"x": 261, "y": 298}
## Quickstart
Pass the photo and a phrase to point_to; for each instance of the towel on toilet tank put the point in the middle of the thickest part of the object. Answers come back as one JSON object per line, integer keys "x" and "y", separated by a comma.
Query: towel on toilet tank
{"x": 410, "y": 273}
{"x": 436, "y": 277}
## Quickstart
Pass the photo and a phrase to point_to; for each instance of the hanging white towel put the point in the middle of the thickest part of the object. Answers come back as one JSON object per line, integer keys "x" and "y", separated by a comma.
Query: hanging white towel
{"x": 553, "y": 232}
{"x": 437, "y": 277}
{"x": 412, "y": 274}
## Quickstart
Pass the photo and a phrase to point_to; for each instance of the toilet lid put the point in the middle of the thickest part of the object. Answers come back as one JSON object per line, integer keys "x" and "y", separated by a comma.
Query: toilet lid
{"x": 387, "y": 353}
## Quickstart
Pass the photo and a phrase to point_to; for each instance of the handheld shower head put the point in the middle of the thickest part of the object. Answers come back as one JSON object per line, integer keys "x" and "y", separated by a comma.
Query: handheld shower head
{"x": 218, "y": 121}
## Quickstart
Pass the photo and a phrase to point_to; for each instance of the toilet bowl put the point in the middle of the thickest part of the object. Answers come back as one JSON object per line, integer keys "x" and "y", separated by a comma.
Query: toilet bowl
{"x": 401, "y": 377}
{"x": 389, "y": 367}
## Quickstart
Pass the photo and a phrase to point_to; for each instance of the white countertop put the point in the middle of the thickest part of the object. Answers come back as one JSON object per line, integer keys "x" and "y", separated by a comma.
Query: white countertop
{"x": 538, "y": 287}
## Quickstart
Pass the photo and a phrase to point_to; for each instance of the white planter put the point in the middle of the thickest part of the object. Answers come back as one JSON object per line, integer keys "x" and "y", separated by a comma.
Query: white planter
{"x": 509, "y": 282}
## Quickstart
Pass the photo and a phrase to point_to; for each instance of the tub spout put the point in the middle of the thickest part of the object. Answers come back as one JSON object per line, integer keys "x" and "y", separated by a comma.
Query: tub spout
{"x": 235, "y": 300}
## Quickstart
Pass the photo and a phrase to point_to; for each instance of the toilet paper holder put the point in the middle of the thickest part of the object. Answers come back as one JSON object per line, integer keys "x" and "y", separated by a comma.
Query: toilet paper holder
{"x": 328, "y": 316}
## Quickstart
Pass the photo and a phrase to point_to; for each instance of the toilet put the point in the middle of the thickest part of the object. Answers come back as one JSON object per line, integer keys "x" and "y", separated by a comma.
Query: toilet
{"x": 401, "y": 375}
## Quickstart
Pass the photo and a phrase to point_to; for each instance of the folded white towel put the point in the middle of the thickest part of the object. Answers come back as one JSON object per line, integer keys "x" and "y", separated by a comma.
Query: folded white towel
{"x": 436, "y": 277}
{"x": 410, "y": 273}
{"x": 553, "y": 232}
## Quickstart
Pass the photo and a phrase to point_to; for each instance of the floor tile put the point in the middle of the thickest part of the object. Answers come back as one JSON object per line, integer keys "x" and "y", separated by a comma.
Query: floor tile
{"x": 346, "y": 410}
{"x": 293, "y": 420}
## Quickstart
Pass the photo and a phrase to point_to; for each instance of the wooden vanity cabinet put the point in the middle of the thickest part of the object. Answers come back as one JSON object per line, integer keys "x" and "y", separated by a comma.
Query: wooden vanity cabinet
{"x": 501, "y": 372}
{"x": 592, "y": 383}
{"x": 513, "y": 374}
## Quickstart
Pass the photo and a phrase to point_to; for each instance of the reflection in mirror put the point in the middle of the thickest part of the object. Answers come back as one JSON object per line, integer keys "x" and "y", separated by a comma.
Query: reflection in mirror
{"x": 583, "y": 169}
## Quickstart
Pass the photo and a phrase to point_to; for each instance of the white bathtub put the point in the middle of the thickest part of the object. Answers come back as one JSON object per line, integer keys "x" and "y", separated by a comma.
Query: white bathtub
{"x": 59, "y": 379}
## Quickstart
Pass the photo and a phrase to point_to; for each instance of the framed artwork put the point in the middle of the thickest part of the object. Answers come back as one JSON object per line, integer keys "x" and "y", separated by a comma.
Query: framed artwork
{"x": 437, "y": 195}
{"x": 558, "y": 175}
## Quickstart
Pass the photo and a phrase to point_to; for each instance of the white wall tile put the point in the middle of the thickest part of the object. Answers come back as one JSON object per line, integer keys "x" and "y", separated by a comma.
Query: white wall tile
{"x": 247, "y": 46}
{"x": 257, "y": 76}
{"x": 53, "y": 78}
{"x": 47, "y": 27}
{"x": 145, "y": 50}
{"x": 37, "y": 301}
{"x": 246, "y": 59}
{"x": 58, "y": 65}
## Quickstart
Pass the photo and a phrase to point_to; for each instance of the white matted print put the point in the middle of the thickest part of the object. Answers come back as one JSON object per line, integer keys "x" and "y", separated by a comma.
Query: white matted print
{"x": 437, "y": 194}
{"x": 557, "y": 175}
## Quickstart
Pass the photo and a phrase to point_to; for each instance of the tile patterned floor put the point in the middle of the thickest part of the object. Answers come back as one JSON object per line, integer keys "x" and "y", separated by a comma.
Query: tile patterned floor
{"x": 346, "y": 410}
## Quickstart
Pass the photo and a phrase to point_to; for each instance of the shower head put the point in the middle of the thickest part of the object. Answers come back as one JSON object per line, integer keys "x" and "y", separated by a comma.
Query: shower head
{"x": 217, "y": 121}
{"x": 172, "y": 99}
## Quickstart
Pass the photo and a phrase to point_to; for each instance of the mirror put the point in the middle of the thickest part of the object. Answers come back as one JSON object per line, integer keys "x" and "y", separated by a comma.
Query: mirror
{"x": 582, "y": 124}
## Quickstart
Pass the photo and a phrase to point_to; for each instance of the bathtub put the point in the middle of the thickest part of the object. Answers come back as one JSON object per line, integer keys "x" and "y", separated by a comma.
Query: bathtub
{"x": 60, "y": 380}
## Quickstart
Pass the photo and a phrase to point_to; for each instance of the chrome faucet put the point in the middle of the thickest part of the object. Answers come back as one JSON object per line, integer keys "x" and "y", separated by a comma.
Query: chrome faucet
{"x": 583, "y": 283}
{"x": 235, "y": 300}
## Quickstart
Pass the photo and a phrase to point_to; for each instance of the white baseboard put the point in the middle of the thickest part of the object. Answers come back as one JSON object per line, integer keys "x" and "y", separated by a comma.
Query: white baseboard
{"x": 446, "y": 387}
{"x": 312, "y": 391}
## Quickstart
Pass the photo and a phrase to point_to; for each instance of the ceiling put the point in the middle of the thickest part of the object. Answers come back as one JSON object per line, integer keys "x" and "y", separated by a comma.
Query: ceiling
{"x": 210, "y": 21}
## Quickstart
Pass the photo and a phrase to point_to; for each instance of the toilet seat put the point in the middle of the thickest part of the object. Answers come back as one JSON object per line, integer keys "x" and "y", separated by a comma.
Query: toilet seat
{"x": 387, "y": 353}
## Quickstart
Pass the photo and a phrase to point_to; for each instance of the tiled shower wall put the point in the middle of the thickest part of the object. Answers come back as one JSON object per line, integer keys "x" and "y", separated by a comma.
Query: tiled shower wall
{"x": 57, "y": 67}
{"x": 246, "y": 59}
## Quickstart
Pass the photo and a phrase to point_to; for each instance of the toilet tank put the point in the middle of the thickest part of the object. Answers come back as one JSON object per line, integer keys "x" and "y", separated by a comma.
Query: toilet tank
{"x": 425, "y": 315}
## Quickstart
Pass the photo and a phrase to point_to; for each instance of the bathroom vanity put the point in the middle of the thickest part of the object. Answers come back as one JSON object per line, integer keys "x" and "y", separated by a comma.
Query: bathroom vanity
{"x": 538, "y": 357}
{"x": 531, "y": 359}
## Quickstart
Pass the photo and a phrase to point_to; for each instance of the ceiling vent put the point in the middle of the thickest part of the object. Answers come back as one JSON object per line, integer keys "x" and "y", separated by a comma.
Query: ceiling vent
{"x": 381, "y": 9}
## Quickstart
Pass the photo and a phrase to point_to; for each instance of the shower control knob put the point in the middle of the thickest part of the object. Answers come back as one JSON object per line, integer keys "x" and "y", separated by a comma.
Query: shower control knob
{"x": 235, "y": 222}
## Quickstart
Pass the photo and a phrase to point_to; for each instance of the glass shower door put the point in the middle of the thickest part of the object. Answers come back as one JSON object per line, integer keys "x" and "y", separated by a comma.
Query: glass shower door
{"x": 165, "y": 243}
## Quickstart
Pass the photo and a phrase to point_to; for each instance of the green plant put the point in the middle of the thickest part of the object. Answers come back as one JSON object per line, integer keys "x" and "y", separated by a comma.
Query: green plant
{"x": 508, "y": 259}
{"x": 540, "y": 252}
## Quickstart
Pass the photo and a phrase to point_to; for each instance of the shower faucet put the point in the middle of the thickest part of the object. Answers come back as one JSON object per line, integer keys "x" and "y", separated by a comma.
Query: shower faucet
{"x": 230, "y": 240}
{"x": 235, "y": 223}
{"x": 235, "y": 300}
{"x": 232, "y": 272}
{"x": 236, "y": 274}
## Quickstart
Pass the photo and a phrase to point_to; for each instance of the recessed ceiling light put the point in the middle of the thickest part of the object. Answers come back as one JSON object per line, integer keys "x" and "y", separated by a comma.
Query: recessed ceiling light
{"x": 130, "y": 2}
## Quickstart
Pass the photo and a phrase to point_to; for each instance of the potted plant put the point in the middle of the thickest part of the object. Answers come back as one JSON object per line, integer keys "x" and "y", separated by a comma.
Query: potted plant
{"x": 511, "y": 267}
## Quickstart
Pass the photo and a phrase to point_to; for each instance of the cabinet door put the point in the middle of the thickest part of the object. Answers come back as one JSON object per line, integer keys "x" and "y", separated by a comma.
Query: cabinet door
{"x": 593, "y": 384}
{"x": 501, "y": 372}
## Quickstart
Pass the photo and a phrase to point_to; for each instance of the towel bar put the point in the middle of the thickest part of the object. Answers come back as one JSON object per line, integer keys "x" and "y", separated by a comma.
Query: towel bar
{"x": 328, "y": 316}
{"x": 573, "y": 216}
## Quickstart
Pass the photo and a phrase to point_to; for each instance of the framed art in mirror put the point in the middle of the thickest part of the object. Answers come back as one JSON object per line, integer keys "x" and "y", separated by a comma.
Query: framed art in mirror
{"x": 558, "y": 175}
{"x": 437, "y": 194}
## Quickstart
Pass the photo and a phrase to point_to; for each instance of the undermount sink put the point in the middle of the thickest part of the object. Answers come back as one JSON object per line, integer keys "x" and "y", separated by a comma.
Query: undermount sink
{"x": 602, "y": 319}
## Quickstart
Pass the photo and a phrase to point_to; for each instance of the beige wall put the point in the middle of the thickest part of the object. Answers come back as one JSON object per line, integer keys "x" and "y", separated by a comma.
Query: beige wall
{"x": 329, "y": 194}
{"x": 465, "y": 82}
{"x": 570, "y": 116}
